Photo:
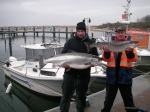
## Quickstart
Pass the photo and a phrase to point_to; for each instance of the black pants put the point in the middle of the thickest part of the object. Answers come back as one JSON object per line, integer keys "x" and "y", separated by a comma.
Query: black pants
{"x": 70, "y": 84}
{"x": 111, "y": 91}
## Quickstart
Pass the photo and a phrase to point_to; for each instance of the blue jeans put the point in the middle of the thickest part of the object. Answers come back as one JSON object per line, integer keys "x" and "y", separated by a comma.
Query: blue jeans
{"x": 70, "y": 84}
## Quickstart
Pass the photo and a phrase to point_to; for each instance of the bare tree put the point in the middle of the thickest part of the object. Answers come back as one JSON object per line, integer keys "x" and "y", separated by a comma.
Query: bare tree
{"x": 145, "y": 19}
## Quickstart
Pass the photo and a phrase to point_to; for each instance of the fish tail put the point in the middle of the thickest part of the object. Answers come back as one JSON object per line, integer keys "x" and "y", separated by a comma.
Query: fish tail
{"x": 41, "y": 62}
{"x": 88, "y": 46}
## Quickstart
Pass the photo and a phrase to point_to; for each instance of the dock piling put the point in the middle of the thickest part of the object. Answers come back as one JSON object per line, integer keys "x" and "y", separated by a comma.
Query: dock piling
{"x": 16, "y": 31}
{"x": 54, "y": 36}
{"x": 92, "y": 35}
{"x": 34, "y": 31}
{"x": 59, "y": 35}
{"x": 43, "y": 36}
{"x": 66, "y": 33}
{"x": 10, "y": 46}
{"x": 24, "y": 31}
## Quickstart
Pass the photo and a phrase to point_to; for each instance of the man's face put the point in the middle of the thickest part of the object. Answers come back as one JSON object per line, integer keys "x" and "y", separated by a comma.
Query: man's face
{"x": 121, "y": 35}
{"x": 80, "y": 33}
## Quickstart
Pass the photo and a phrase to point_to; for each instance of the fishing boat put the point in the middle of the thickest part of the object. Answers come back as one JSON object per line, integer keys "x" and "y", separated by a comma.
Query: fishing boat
{"x": 44, "y": 79}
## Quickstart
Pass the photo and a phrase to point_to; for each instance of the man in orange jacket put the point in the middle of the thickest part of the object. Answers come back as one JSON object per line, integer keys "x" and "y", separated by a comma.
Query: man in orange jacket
{"x": 119, "y": 72}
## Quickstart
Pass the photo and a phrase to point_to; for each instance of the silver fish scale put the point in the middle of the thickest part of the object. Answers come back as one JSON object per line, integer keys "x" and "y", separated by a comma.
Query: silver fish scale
{"x": 74, "y": 60}
{"x": 116, "y": 46}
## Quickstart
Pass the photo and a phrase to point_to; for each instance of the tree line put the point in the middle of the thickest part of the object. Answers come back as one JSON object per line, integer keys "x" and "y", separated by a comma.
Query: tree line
{"x": 141, "y": 23}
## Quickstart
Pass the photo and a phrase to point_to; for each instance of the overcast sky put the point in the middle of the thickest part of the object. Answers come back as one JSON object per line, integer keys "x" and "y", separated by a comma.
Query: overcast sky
{"x": 68, "y": 12}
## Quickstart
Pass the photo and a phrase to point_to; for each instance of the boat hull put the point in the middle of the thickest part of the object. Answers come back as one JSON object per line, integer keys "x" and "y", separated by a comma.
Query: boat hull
{"x": 45, "y": 86}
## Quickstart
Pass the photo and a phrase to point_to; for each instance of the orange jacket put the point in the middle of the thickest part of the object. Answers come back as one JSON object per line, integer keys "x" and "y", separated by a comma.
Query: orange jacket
{"x": 125, "y": 69}
{"x": 125, "y": 62}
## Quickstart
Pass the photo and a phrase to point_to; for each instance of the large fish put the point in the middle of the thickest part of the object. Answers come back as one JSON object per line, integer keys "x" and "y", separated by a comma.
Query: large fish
{"x": 114, "y": 46}
{"x": 74, "y": 60}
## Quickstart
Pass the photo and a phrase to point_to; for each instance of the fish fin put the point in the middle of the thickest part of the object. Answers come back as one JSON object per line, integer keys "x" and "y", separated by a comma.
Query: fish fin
{"x": 42, "y": 62}
{"x": 88, "y": 46}
{"x": 67, "y": 69}
{"x": 71, "y": 51}
{"x": 88, "y": 63}
{"x": 53, "y": 65}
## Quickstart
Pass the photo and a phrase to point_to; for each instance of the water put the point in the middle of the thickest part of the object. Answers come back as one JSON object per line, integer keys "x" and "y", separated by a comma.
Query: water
{"x": 20, "y": 99}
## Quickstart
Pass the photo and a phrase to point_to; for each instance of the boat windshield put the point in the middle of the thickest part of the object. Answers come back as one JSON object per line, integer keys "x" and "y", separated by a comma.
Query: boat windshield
{"x": 33, "y": 54}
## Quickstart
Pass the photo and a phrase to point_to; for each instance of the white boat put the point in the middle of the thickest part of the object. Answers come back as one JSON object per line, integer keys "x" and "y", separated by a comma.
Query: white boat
{"x": 46, "y": 80}
{"x": 143, "y": 57}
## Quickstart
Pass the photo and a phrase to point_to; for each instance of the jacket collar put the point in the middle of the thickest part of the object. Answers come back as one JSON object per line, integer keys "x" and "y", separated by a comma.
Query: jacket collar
{"x": 83, "y": 39}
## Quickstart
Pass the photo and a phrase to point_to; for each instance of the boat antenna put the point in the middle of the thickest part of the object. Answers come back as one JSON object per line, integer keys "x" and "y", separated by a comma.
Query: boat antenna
{"x": 88, "y": 21}
{"x": 127, "y": 14}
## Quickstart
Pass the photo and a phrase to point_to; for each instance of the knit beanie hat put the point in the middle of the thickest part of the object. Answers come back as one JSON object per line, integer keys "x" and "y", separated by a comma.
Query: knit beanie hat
{"x": 81, "y": 26}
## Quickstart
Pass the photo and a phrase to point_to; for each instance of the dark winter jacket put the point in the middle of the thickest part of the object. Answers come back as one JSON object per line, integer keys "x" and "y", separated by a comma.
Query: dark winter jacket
{"x": 77, "y": 45}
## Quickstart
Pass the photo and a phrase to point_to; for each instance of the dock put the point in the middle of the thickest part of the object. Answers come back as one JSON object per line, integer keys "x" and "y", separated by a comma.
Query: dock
{"x": 15, "y": 31}
{"x": 141, "y": 95}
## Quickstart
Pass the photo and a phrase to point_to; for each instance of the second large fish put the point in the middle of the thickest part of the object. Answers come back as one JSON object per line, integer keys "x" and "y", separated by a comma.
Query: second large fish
{"x": 75, "y": 60}
{"x": 114, "y": 46}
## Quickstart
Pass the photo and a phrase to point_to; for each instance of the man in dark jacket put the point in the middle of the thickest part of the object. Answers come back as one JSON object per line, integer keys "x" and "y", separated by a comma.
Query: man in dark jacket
{"x": 75, "y": 79}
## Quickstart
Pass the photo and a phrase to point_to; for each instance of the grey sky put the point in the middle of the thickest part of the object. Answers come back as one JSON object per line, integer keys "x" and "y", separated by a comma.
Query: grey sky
{"x": 67, "y": 12}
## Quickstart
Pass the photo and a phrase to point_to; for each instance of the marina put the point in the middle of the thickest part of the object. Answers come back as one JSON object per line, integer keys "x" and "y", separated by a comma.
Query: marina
{"x": 97, "y": 86}
{"x": 28, "y": 84}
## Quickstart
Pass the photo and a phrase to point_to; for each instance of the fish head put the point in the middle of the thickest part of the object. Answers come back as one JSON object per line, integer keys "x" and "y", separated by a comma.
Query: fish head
{"x": 134, "y": 44}
{"x": 88, "y": 45}
{"x": 95, "y": 60}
